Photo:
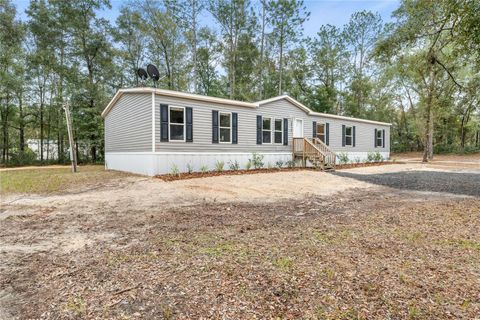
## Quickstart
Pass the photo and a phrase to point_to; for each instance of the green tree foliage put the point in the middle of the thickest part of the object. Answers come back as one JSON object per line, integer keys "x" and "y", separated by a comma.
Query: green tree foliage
{"x": 420, "y": 72}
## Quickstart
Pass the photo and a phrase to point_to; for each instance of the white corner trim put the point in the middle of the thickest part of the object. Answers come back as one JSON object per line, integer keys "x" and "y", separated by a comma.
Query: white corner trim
{"x": 153, "y": 122}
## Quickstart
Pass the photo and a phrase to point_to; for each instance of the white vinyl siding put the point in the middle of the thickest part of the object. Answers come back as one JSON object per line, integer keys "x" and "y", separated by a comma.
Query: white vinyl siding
{"x": 128, "y": 126}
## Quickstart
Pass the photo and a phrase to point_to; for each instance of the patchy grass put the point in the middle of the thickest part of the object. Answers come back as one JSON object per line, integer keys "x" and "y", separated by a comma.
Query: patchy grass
{"x": 358, "y": 255}
{"x": 49, "y": 180}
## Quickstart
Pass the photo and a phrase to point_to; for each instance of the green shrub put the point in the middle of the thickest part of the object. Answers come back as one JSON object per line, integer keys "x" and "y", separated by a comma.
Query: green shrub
{"x": 204, "y": 168}
{"x": 358, "y": 160}
{"x": 378, "y": 157}
{"x": 370, "y": 157}
{"x": 219, "y": 166}
{"x": 343, "y": 158}
{"x": 189, "y": 167}
{"x": 174, "y": 170}
{"x": 248, "y": 165}
{"x": 234, "y": 165}
{"x": 257, "y": 160}
{"x": 279, "y": 164}
{"x": 26, "y": 157}
{"x": 290, "y": 163}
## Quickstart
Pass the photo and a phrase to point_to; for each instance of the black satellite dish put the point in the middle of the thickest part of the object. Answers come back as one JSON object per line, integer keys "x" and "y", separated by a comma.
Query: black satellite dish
{"x": 153, "y": 72}
{"x": 142, "y": 74}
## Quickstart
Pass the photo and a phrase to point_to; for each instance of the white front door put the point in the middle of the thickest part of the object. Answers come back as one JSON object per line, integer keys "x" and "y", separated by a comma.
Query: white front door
{"x": 298, "y": 128}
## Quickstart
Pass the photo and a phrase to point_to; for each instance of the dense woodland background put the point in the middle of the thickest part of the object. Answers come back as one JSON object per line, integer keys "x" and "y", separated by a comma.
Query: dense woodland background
{"x": 420, "y": 72}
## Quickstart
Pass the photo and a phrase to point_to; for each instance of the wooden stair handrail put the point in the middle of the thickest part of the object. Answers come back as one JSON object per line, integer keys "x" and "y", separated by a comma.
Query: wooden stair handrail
{"x": 330, "y": 155}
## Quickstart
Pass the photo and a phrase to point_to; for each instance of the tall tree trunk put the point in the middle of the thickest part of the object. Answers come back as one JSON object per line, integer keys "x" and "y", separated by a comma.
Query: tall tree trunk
{"x": 280, "y": 92}
{"x": 262, "y": 50}
{"x": 21, "y": 123}
{"x": 428, "y": 146}
{"x": 41, "y": 131}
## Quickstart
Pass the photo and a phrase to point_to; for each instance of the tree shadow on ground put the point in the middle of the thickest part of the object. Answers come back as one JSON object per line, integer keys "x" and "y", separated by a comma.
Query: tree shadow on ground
{"x": 432, "y": 181}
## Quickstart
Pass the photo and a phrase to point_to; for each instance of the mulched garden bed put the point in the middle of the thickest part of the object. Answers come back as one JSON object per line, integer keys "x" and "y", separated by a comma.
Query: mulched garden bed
{"x": 195, "y": 175}
{"x": 367, "y": 164}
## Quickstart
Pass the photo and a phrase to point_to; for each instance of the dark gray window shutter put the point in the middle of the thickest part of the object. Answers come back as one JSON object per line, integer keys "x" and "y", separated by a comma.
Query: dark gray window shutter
{"x": 375, "y": 139}
{"x": 383, "y": 138}
{"x": 285, "y": 132}
{"x": 214, "y": 126}
{"x": 353, "y": 136}
{"x": 343, "y": 135}
{"x": 189, "y": 124}
{"x": 234, "y": 127}
{"x": 259, "y": 129}
{"x": 163, "y": 122}
{"x": 327, "y": 133}
{"x": 314, "y": 129}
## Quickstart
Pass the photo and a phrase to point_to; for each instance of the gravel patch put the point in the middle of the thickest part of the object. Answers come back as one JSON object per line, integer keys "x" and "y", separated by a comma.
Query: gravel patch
{"x": 460, "y": 183}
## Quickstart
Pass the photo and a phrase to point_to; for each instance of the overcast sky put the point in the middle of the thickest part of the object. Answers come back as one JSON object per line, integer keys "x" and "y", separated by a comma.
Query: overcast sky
{"x": 335, "y": 12}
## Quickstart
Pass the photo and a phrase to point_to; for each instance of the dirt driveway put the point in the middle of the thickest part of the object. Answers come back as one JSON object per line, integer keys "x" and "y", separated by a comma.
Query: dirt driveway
{"x": 397, "y": 241}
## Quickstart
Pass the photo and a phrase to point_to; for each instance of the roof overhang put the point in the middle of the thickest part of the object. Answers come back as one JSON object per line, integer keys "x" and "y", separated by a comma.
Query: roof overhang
{"x": 175, "y": 94}
{"x": 320, "y": 114}
{"x": 197, "y": 97}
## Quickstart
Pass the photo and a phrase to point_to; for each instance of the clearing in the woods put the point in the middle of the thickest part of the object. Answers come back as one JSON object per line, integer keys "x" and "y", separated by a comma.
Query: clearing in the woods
{"x": 394, "y": 241}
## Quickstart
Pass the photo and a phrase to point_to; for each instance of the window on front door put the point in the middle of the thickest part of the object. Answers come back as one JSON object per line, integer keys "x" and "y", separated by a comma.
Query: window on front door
{"x": 348, "y": 136}
{"x": 321, "y": 131}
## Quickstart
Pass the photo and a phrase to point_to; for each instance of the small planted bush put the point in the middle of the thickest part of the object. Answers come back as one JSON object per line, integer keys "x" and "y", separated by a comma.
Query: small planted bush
{"x": 279, "y": 164}
{"x": 290, "y": 163}
{"x": 257, "y": 160}
{"x": 248, "y": 165}
{"x": 219, "y": 166}
{"x": 174, "y": 170}
{"x": 371, "y": 157}
{"x": 378, "y": 157}
{"x": 343, "y": 158}
{"x": 204, "y": 169}
{"x": 189, "y": 167}
{"x": 358, "y": 160}
{"x": 234, "y": 165}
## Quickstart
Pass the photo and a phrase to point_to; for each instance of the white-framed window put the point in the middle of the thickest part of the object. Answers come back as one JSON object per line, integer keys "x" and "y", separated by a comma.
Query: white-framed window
{"x": 348, "y": 136}
{"x": 379, "y": 138}
{"x": 225, "y": 127}
{"x": 321, "y": 131}
{"x": 267, "y": 130}
{"x": 176, "y": 120}
{"x": 278, "y": 131}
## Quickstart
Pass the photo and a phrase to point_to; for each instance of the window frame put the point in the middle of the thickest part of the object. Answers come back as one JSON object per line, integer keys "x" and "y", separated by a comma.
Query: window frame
{"x": 220, "y": 126}
{"x": 274, "y": 131}
{"x": 324, "y": 132}
{"x": 263, "y": 119}
{"x": 377, "y": 138}
{"x": 350, "y": 135}
{"x": 177, "y": 124}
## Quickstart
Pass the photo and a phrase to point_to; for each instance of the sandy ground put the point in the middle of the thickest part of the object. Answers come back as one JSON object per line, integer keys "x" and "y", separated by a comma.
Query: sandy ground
{"x": 79, "y": 217}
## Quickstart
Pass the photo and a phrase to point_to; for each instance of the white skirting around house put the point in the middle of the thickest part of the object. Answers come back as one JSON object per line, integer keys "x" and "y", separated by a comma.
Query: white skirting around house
{"x": 154, "y": 163}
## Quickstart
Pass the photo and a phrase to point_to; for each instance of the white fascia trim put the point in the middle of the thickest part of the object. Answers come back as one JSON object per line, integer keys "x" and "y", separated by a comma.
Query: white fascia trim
{"x": 175, "y": 94}
{"x": 190, "y": 153}
{"x": 320, "y": 114}
{"x": 196, "y": 97}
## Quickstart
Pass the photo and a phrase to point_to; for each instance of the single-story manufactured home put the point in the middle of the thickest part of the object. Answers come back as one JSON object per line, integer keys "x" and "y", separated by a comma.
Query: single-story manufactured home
{"x": 154, "y": 131}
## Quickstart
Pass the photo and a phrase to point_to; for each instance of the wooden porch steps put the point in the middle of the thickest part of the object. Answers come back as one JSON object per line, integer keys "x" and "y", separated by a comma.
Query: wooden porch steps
{"x": 314, "y": 151}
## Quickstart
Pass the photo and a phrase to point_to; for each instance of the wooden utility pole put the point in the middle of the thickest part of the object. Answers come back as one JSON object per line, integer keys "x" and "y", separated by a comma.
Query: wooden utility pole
{"x": 73, "y": 153}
